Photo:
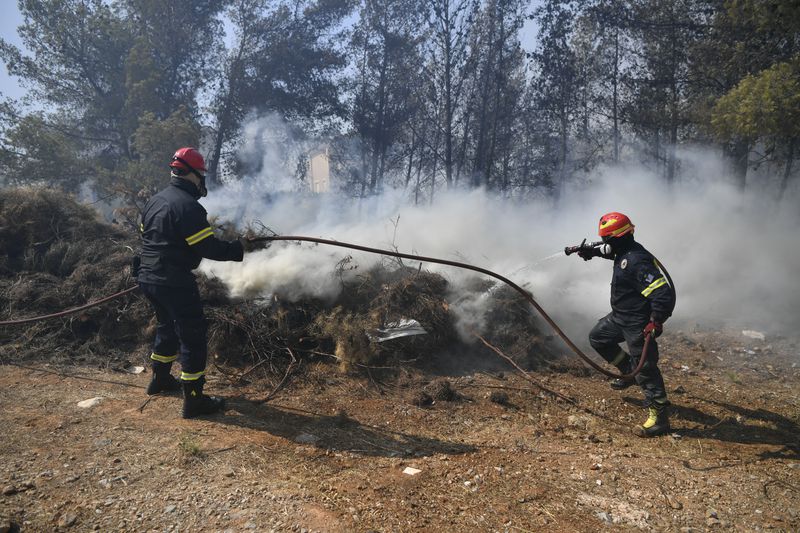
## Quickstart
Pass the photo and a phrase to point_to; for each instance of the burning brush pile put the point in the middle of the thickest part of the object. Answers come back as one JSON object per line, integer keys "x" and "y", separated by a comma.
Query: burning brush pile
{"x": 56, "y": 254}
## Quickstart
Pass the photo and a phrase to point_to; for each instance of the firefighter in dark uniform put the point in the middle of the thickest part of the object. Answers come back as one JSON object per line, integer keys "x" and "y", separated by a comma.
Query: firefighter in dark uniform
{"x": 176, "y": 235}
{"x": 642, "y": 299}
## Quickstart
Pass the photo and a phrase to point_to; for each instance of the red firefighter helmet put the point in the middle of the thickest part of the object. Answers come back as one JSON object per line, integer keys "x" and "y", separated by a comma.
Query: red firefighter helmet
{"x": 615, "y": 225}
{"x": 188, "y": 159}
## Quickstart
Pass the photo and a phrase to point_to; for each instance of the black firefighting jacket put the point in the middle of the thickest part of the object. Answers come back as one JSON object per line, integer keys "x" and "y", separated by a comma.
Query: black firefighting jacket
{"x": 176, "y": 235}
{"x": 639, "y": 290}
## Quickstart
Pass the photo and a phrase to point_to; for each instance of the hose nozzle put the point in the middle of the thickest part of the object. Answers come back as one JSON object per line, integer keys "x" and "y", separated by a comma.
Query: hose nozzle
{"x": 585, "y": 246}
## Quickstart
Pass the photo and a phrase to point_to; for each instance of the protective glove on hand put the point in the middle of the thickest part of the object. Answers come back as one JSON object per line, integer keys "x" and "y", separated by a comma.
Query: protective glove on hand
{"x": 251, "y": 245}
{"x": 587, "y": 253}
{"x": 655, "y": 327}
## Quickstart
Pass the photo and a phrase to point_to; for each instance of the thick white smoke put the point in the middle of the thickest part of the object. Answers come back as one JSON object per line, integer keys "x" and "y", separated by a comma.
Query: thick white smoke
{"x": 732, "y": 256}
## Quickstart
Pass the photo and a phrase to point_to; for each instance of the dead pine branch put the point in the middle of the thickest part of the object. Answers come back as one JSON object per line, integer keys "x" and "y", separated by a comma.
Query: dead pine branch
{"x": 524, "y": 374}
{"x": 281, "y": 383}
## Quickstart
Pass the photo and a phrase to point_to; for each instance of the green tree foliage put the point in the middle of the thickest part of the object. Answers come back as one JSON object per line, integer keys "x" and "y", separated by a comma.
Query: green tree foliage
{"x": 386, "y": 42}
{"x": 104, "y": 72}
{"x": 39, "y": 149}
{"x": 284, "y": 61}
{"x": 764, "y": 107}
{"x": 417, "y": 93}
{"x": 152, "y": 145}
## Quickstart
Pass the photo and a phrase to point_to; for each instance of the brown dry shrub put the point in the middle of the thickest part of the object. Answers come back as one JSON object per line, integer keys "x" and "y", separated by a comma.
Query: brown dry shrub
{"x": 513, "y": 326}
{"x": 379, "y": 297}
{"x": 441, "y": 390}
{"x": 348, "y": 331}
{"x": 56, "y": 254}
{"x": 37, "y": 219}
{"x": 499, "y": 397}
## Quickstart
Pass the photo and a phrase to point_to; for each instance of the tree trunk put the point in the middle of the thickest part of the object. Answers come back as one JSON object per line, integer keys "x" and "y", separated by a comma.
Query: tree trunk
{"x": 738, "y": 152}
{"x": 787, "y": 171}
{"x": 411, "y": 157}
{"x": 615, "y": 97}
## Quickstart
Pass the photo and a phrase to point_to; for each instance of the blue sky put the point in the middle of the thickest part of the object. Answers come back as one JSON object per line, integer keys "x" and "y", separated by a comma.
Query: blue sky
{"x": 8, "y": 31}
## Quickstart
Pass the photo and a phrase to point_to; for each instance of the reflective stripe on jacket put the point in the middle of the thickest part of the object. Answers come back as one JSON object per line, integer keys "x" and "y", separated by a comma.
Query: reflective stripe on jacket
{"x": 176, "y": 235}
{"x": 639, "y": 290}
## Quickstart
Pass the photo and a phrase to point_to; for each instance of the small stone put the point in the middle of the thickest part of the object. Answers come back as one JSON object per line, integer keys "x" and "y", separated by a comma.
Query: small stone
{"x": 8, "y": 490}
{"x": 757, "y": 335}
{"x": 250, "y": 525}
{"x": 306, "y": 438}
{"x": 712, "y": 513}
{"x": 170, "y": 508}
{"x": 577, "y": 421}
{"x": 499, "y": 397}
{"x": 711, "y": 522}
{"x": 67, "y": 520}
{"x": 604, "y": 516}
{"x": 91, "y": 402}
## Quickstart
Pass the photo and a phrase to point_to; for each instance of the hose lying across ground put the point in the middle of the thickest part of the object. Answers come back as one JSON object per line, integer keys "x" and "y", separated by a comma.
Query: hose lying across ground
{"x": 527, "y": 295}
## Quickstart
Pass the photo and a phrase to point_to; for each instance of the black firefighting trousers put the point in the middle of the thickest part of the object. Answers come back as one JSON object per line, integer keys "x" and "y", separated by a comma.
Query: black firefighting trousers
{"x": 180, "y": 325}
{"x": 606, "y": 337}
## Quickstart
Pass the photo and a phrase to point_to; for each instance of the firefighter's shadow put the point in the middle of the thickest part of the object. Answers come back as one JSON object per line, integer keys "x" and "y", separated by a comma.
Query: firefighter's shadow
{"x": 335, "y": 433}
{"x": 739, "y": 425}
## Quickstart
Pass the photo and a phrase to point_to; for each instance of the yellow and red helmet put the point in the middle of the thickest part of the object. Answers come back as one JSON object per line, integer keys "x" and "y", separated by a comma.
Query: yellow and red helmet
{"x": 615, "y": 225}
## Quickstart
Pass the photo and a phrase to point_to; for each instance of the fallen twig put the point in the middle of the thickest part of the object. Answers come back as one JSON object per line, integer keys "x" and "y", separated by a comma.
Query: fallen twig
{"x": 525, "y": 374}
{"x": 285, "y": 377}
{"x": 141, "y": 407}
{"x": 246, "y": 372}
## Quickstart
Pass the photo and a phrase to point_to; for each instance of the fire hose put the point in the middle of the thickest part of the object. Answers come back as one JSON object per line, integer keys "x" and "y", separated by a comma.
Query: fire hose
{"x": 525, "y": 294}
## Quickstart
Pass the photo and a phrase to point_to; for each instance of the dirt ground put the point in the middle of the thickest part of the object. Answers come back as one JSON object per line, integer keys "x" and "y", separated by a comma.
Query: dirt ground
{"x": 328, "y": 452}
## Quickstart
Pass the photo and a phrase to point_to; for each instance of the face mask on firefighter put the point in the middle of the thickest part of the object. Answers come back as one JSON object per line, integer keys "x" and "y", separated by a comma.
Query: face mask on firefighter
{"x": 201, "y": 185}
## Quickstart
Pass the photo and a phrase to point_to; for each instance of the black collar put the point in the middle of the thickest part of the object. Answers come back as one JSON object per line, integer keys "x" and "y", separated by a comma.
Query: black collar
{"x": 625, "y": 245}
{"x": 185, "y": 185}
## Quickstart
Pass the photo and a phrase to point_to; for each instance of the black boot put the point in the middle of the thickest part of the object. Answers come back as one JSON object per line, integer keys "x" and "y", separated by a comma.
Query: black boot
{"x": 195, "y": 403}
{"x": 622, "y": 384}
{"x": 657, "y": 422}
{"x": 624, "y": 368}
{"x": 162, "y": 380}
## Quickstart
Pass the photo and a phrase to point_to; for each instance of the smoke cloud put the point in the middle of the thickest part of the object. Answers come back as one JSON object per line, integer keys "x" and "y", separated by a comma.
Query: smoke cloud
{"x": 731, "y": 254}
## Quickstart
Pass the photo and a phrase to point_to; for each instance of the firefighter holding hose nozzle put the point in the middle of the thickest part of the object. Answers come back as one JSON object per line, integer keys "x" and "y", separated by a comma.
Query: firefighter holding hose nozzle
{"x": 642, "y": 299}
{"x": 176, "y": 236}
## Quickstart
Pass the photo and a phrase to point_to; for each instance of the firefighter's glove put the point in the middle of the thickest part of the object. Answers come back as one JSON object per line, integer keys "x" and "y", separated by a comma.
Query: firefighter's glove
{"x": 655, "y": 327}
{"x": 252, "y": 245}
{"x": 587, "y": 253}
